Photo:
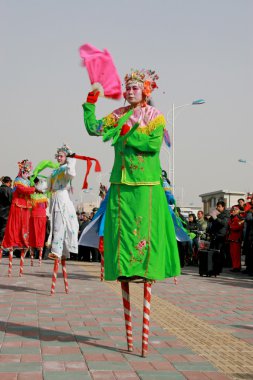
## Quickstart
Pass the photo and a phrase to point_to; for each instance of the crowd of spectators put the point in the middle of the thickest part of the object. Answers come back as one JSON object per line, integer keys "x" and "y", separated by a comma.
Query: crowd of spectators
{"x": 228, "y": 230}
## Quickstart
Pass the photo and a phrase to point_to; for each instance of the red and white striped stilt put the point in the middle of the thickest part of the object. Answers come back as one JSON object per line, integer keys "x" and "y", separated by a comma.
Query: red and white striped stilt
{"x": 65, "y": 276}
{"x": 40, "y": 256}
{"x": 1, "y": 254}
{"x": 10, "y": 262}
{"x": 22, "y": 260}
{"x": 32, "y": 256}
{"x": 101, "y": 250}
{"x": 102, "y": 266}
{"x": 127, "y": 314}
{"x": 54, "y": 277}
{"x": 146, "y": 315}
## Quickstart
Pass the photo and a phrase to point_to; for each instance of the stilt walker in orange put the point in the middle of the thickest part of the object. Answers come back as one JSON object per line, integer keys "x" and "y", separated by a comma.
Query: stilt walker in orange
{"x": 17, "y": 228}
{"x": 38, "y": 218}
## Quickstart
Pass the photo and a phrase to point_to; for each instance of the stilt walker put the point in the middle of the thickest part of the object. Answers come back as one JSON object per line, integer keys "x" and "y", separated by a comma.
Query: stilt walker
{"x": 136, "y": 212}
{"x": 17, "y": 228}
{"x": 64, "y": 223}
{"x": 38, "y": 218}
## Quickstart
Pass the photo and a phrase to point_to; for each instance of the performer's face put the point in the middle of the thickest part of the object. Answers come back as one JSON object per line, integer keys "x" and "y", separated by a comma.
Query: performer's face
{"x": 25, "y": 174}
{"x": 61, "y": 158}
{"x": 134, "y": 94}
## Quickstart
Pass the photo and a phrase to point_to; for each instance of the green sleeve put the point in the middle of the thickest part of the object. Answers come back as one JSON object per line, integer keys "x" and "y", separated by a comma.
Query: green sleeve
{"x": 146, "y": 143}
{"x": 96, "y": 127}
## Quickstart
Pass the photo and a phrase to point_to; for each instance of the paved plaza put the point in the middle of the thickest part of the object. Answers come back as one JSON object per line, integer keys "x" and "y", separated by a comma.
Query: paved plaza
{"x": 201, "y": 328}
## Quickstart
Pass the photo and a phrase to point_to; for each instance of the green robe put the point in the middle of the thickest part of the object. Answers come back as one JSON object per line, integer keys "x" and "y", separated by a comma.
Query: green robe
{"x": 139, "y": 236}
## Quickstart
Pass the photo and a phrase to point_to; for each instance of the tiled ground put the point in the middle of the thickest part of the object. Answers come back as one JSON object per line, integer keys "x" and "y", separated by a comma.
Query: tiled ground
{"x": 82, "y": 335}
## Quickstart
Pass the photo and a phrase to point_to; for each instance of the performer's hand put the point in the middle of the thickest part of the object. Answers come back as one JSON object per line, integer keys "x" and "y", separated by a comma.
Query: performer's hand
{"x": 92, "y": 97}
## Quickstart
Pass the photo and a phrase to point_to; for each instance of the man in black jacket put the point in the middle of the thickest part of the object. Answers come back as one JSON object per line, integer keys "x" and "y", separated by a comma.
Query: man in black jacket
{"x": 218, "y": 230}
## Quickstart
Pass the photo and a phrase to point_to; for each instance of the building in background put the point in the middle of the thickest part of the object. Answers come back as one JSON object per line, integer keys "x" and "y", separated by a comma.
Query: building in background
{"x": 230, "y": 198}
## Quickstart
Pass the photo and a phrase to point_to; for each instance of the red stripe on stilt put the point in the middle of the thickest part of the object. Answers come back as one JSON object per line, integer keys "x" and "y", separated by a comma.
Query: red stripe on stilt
{"x": 146, "y": 317}
{"x": 32, "y": 256}
{"x": 54, "y": 277}
{"x": 64, "y": 273}
{"x": 40, "y": 256}
{"x": 22, "y": 260}
{"x": 10, "y": 262}
{"x": 127, "y": 314}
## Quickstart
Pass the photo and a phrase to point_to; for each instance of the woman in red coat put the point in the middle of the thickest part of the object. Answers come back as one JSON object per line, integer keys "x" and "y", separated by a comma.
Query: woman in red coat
{"x": 235, "y": 230}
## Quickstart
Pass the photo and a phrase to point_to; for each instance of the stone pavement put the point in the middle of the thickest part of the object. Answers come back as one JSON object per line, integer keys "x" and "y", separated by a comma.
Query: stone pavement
{"x": 201, "y": 328}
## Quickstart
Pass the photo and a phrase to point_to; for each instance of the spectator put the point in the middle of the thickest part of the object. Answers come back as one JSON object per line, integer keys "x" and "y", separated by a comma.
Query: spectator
{"x": 235, "y": 230}
{"x": 193, "y": 228}
{"x": 5, "y": 203}
{"x": 218, "y": 230}
{"x": 248, "y": 238}
{"x": 201, "y": 221}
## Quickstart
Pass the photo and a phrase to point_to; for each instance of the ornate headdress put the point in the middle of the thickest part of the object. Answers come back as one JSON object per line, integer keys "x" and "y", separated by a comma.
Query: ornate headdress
{"x": 24, "y": 166}
{"x": 147, "y": 79}
{"x": 64, "y": 148}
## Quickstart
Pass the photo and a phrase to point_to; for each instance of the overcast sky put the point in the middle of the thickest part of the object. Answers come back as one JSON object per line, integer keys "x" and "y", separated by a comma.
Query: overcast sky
{"x": 199, "y": 48}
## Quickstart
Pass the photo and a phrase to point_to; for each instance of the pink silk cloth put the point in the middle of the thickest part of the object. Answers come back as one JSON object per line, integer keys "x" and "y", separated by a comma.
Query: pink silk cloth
{"x": 101, "y": 70}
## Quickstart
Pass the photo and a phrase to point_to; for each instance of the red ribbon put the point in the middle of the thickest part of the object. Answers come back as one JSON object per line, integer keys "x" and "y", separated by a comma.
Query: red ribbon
{"x": 89, "y": 164}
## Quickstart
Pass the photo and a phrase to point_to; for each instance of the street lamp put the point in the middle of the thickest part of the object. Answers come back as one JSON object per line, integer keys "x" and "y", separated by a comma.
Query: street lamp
{"x": 195, "y": 102}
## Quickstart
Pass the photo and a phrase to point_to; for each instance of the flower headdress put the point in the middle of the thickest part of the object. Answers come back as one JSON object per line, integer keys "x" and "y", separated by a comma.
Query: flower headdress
{"x": 147, "y": 79}
{"x": 65, "y": 149}
{"x": 24, "y": 166}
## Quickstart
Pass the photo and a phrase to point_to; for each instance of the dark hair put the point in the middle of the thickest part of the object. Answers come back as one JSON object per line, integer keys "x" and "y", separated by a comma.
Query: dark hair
{"x": 240, "y": 199}
{"x": 6, "y": 179}
{"x": 222, "y": 203}
{"x": 193, "y": 215}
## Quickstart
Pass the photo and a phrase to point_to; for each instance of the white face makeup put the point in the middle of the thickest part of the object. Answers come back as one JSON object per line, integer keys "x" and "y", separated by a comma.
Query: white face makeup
{"x": 61, "y": 158}
{"x": 25, "y": 174}
{"x": 134, "y": 94}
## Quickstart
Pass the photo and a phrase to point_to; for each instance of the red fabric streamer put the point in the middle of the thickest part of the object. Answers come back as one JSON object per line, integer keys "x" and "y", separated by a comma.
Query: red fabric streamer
{"x": 89, "y": 164}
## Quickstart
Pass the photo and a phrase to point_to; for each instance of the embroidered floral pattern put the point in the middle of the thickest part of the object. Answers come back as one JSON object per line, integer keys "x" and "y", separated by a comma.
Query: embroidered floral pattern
{"x": 141, "y": 244}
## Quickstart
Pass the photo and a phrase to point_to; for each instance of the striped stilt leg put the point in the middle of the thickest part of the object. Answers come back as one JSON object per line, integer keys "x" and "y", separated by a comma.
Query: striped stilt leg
{"x": 32, "y": 256}
{"x": 127, "y": 314}
{"x": 102, "y": 266}
{"x": 146, "y": 314}
{"x": 22, "y": 260}
{"x": 64, "y": 273}
{"x": 40, "y": 256}
{"x": 101, "y": 250}
{"x": 10, "y": 262}
{"x": 54, "y": 277}
{"x": 1, "y": 254}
